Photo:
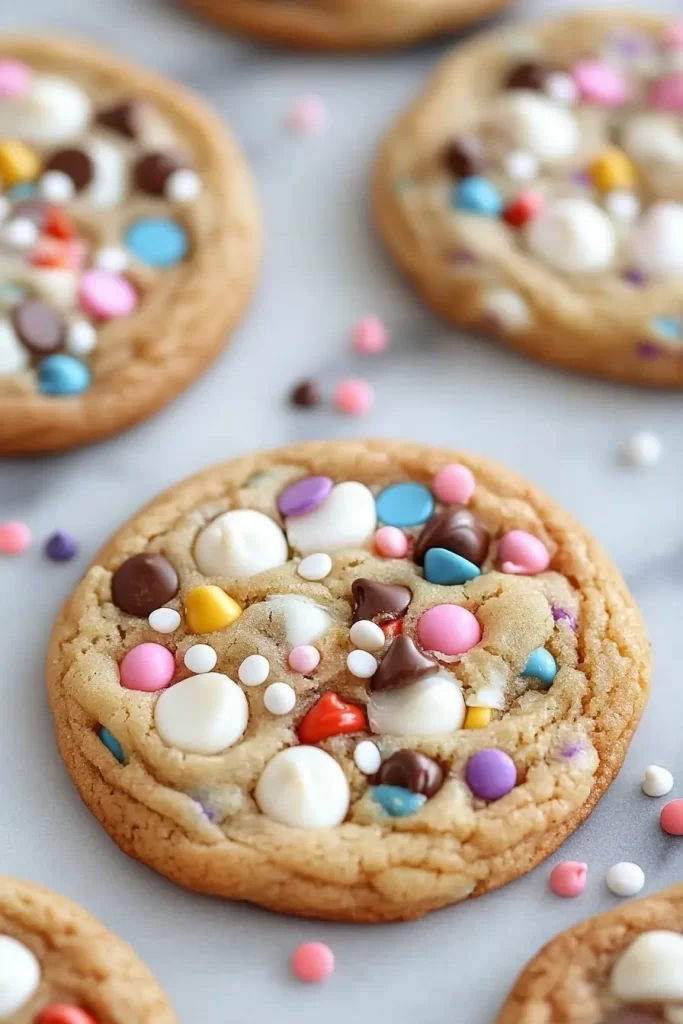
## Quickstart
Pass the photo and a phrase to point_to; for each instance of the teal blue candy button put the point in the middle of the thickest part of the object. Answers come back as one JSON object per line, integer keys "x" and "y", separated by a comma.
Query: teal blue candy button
{"x": 157, "y": 241}
{"x": 541, "y": 665}
{"x": 478, "y": 195}
{"x": 447, "y": 568}
{"x": 397, "y": 801}
{"x": 25, "y": 191}
{"x": 112, "y": 744}
{"x": 405, "y": 505}
{"x": 63, "y": 375}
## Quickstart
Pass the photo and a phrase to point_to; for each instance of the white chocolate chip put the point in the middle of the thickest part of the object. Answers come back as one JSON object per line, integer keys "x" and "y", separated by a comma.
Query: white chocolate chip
{"x": 279, "y": 698}
{"x": 13, "y": 356}
{"x": 183, "y": 186}
{"x": 653, "y": 138}
{"x": 625, "y": 879}
{"x": 537, "y": 125}
{"x": 200, "y": 658}
{"x": 164, "y": 620}
{"x": 367, "y": 635}
{"x": 19, "y": 976}
{"x": 204, "y": 714}
{"x": 431, "y": 706}
{"x": 643, "y": 449}
{"x": 345, "y": 519}
{"x": 315, "y": 567}
{"x": 361, "y": 664}
{"x": 56, "y": 187}
{"x": 302, "y": 619}
{"x": 367, "y": 757}
{"x": 574, "y": 236}
{"x": 51, "y": 111}
{"x": 303, "y": 787}
{"x": 658, "y": 240}
{"x": 507, "y": 308}
{"x": 520, "y": 165}
{"x": 242, "y": 542}
{"x": 657, "y": 781}
{"x": 254, "y": 670}
{"x": 622, "y": 206}
{"x": 650, "y": 970}
{"x": 81, "y": 338}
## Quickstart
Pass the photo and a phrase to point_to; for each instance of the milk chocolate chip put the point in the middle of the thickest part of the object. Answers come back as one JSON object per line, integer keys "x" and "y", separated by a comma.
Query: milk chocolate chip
{"x": 411, "y": 770}
{"x": 379, "y": 602}
{"x": 402, "y": 665}
{"x": 457, "y": 530}
{"x": 143, "y": 583}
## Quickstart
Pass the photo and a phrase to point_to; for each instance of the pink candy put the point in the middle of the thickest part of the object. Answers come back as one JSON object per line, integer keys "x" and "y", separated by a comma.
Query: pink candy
{"x": 105, "y": 295}
{"x": 307, "y": 115}
{"x": 15, "y": 537}
{"x": 673, "y": 38}
{"x": 667, "y": 93}
{"x": 354, "y": 397}
{"x": 569, "y": 878}
{"x": 304, "y": 659}
{"x": 147, "y": 667}
{"x": 599, "y": 83}
{"x": 390, "y": 542}
{"x": 370, "y": 337}
{"x": 453, "y": 485}
{"x": 522, "y": 554}
{"x": 448, "y": 629}
{"x": 15, "y": 78}
{"x": 313, "y": 961}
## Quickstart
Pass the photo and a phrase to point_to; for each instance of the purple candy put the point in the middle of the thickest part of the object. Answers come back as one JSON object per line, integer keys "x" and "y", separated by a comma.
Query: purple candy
{"x": 572, "y": 750}
{"x": 491, "y": 774}
{"x": 635, "y": 276}
{"x": 563, "y": 615}
{"x": 304, "y": 495}
{"x": 61, "y": 546}
{"x": 648, "y": 350}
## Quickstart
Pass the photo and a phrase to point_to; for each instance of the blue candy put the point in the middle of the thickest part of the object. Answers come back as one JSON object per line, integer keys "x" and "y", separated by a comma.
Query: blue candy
{"x": 112, "y": 744}
{"x": 397, "y": 801}
{"x": 405, "y": 505}
{"x": 669, "y": 327}
{"x": 157, "y": 241}
{"x": 478, "y": 195}
{"x": 25, "y": 191}
{"x": 541, "y": 665}
{"x": 447, "y": 568}
{"x": 63, "y": 375}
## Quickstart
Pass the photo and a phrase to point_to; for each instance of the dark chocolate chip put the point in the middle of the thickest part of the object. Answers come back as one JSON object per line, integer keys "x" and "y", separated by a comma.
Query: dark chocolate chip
{"x": 529, "y": 75}
{"x": 123, "y": 118}
{"x": 75, "y": 163}
{"x": 143, "y": 583}
{"x": 152, "y": 171}
{"x": 39, "y": 326}
{"x": 411, "y": 770}
{"x": 306, "y": 394}
{"x": 402, "y": 665}
{"x": 457, "y": 530}
{"x": 464, "y": 157}
{"x": 379, "y": 602}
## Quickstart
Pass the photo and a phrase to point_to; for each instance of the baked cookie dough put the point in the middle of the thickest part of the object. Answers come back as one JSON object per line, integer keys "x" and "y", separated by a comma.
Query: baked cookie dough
{"x": 535, "y": 192}
{"x": 623, "y": 967}
{"x": 354, "y": 680}
{"x": 129, "y": 242}
{"x": 345, "y": 24}
{"x": 58, "y": 965}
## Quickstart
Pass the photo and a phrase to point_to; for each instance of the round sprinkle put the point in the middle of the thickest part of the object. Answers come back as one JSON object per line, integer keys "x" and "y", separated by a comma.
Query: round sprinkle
{"x": 361, "y": 664}
{"x": 21, "y": 233}
{"x": 657, "y": 781}
{"x": 453, "y": 485}
{"x": 15, "y": 537}
{"x": 183, "y": 186}
{"x": 157, "y": 241}
{"x": 147, "y": 667}
{"x": 390, "y": 542}
{"x": 367, "y": 757}
{"x": 643, "y": 449}
{"x": 81, "y": 338}
{"x": 56, "y": 187}
{"x": 112, "y": 259}
{"x": 200, "y": 658}
{"x": 671, "y": 818}
{"x": 491, "y": 774}
{"x": 369, "y": 336}
{"x": 315, "y": 567}
{"x": 625, "y": 879}
{"x": 313, "y": 961}
{"x": 106, "y": 296}
{"x": 61, "y": 546}
{"x": 304, "y": 659}
{"x": 367, "y": 635}
{"x": 568, "y": 879}
{"x": 405, "y": 504}
{"x": 279, "y": 698}
{"x": 307, "y": 115}
{"x": 354, "y": 397}
{"x": 254, "y": 670}
{"x": 164, "y": 620}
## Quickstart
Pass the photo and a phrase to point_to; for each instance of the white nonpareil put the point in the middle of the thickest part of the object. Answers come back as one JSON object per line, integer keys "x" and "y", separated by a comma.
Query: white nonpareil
{"x": 658, "y": 240}
{"x": 345, "y": 519}
{"x": 538, "y": 125}
{"x": 303, "y": 787}
{"x": 431, "y": 706}
{"x": 367, "y": 635}
{"x": 625, "y": 879}
{"x": 241, "y": 542}
{"x": 651, "y": 969}
{"x": 303, "y": 620}
{"x": 52, "y": 110}
{"x": 574, "y": 236}
{"x": 204, "y": 714}
{"x": 19, "y": 976}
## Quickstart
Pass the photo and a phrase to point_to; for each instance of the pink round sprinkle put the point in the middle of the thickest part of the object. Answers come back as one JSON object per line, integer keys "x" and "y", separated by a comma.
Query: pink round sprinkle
{"x": 105, "y": 295}
{"x": 313, "y": 961}
{"x": 448, "y": 629}
{"x": 147, "y": 667}
{"x": 304, "y": 659}
{"x": 673, "y": 37}
{"x": 569, "y": 878}
{"x": 307, "y": 115}
{"x": 667, "y": 93}
{"x": 454, "y": 484}
{"x": 522, "y": 554}
{"x": 671, "y": 818}
{"x": 369, "y": 337}
{"x": 15, "y": 78}
{"x": 390, "y": 542}
{"x": 354, "y": 397}
{"x": 599, "y": 83}
{"x": 15, "y": 538}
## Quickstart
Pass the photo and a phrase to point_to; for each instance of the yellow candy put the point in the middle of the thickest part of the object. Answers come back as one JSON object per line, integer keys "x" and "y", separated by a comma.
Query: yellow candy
{"x": 209, "y": 608}
{"x": 477, "y": 718}
{"x": 613, "y": 170}
{"x": 18, "y": 163}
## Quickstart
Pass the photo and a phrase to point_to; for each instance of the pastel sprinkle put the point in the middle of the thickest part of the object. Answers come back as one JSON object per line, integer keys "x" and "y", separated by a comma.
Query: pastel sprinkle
{"x": 354, "y": 396}
{"x": 313, "y": 962}
{"x": 671, "y": 818}
{"x": 200, "y": 658}
{"x": 164, "y": 620}
{"x": 304, "y": 659}
{"x": 390, "y": 542}
{"x": 112, "y": 744}
{"x": 369, "y": 336}
{"x": 307, "y": 115}
{"x": 254, "y": 670}
{"x": 315, "y": 567}
{"x": 106, "y": 296}
{"x": 15, "y": 537}
{"x": 478, "y": 195}
{"x": 367, "y": 757}
{"x": 568, "y": 879}
{"x": 147, "y": 667}
{"x": 398, "y": 802}
{"x": 540, "y": 665}
{"x": 405, "y": 504}
{"x": 454, "y": 484}
{"x": 61, "y": 546}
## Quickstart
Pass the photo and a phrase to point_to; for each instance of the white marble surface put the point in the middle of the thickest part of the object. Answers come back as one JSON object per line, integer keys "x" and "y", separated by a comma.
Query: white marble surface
{"x": 224, "y": 963}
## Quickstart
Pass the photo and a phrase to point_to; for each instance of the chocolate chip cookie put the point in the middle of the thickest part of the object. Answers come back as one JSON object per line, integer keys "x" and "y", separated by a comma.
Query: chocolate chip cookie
{"x": 354, "y": 680}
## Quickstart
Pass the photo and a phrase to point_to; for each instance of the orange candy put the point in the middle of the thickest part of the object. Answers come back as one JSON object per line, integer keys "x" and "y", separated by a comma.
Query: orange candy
{"x": 392, "y": 629}
{"x": 61, "y": 1013}
{"x": 331, "y": 716}
{"x": 58, "y": 225}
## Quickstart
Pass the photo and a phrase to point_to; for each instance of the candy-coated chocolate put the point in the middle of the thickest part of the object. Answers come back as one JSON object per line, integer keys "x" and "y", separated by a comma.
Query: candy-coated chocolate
{"x": 369, "y": 336}
{"x": 540, "y": 665}
{"x": 398, "y": 802}
{"x": 448, "y": 569}
{"x": 147, "y": 667}
{"x": 304, "y": 659}
{"x": 305, "y": 495}
{"x": 448, "y": 629}
{"x": 405, "y": 504}
{"x": 477, "y": 717}
{"x": 479, "y": 196}
{"x": 63, "y": 375}
{"x": 208, "y": 608}
{"x": 354, "y": 396}
{"x": 61, "y": 546}
{"x": 106, "y": 296}
{"x": 157, "y": 241}
{"x": 491, "y": 774}
{"x": 600, "y": 83}
{"x": 330, "y": 716}
{"x": 390, "y": 542}
{"x": 454, "y": 484}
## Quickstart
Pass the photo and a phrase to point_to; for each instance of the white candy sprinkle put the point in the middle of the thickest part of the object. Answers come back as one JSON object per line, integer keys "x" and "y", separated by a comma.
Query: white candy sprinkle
{"x": 56, "y": 187}
{"x": 643, "y": 449}
{"x": 657, "y": 781}
{"x": 367, "y": 635}
{"x": 20, "y": 232}
{"x": 200, "y": 658}
{"x": 361, "y": 664}
{"x": 315, "y": 567}
{"x": 625, "y": 879}
{"x": 4, "y": 205}
{"x": 254, "y": 670}
{"x": 164, "y": 620}
{"x": 183, "y": 186}
{"x": 279, "y": 698}
{"x": 81, "y": 338}
{"x": 520, "y": 165}
{"x": 367, "y": 757}
{"x": 112, "y": 259}
{"x": 561, "y": 88}
{"x": 622, "y": 206}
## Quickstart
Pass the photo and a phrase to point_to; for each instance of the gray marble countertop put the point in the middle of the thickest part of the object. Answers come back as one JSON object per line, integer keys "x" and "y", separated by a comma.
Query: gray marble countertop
{"x": 223, "y": 963}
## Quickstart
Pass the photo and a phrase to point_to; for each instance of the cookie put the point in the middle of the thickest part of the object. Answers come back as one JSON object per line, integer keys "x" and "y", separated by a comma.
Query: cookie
{"x": 354, "y": 680}
{"x": 129, "y": 241}
{"x": 533, "y": 192}
{"x": 623, "y": 967}
{"x": 344, "y": 24}
{"x": 58, "y": 965}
